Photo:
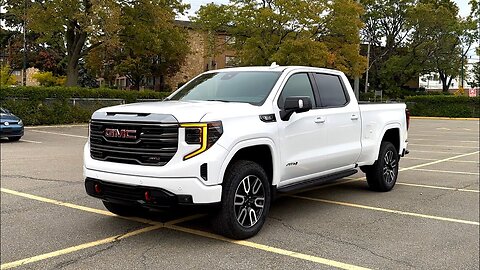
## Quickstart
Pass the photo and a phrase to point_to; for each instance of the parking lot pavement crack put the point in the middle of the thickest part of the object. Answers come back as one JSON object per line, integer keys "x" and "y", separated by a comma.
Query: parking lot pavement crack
{"x": 340, "y": 241}
{"x": 36, "y": 178}
{"x": 79, "y": 258}
{"x": 144, "y": 255}
{"x": 62, "y": 265}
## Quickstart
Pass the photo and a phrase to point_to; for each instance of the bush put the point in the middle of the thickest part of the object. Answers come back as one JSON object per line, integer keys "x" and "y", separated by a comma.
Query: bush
{"x": 5, "y": 77}
{"x": 53, "y": 105}
{"x": 48, "y": 79}
{"x": 444, "y": 106}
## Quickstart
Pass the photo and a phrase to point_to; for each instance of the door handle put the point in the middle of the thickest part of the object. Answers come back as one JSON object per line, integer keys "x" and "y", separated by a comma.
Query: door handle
{"x": 319, "y": 119}
{"x": 354, "y": 117}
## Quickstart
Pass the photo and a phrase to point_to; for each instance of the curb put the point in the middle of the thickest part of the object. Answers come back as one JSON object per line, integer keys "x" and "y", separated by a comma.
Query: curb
{"x": 443, "y": 118}
{"x": 59, "y": 126}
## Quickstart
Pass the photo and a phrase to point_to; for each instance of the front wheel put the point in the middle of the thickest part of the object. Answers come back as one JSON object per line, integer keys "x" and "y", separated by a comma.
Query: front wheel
{"x": 382, "y": 175}
{"x": 245, "y": 201}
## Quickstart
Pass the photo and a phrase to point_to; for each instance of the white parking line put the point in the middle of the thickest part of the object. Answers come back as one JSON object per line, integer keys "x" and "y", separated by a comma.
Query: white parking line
{"x": 432, "y": 145}
{"x": 61, "y": 134}
{"x": 450, "y": 141}
{"x": 393, "y": 211}
{"x": 438, "y": 187}
{"x": 58, "y": 126}
{"x": 440, "y": 171}
{"x": 411, "y": 135}
{"x": 28, "y": 141}
{"x": 432, "y": 159}
{"x": 435, "y": 152}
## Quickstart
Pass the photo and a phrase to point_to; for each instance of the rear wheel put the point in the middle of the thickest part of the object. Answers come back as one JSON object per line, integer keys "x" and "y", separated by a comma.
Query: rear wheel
{"x": 122, "y": 210}
{"x": 382, "y": 175}
{"x": 245, "y": 201}
{"x": 14, "y": 139}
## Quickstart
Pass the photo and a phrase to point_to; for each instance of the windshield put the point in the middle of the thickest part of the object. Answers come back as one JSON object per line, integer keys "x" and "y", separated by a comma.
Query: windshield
{"x": 243, "y": 86}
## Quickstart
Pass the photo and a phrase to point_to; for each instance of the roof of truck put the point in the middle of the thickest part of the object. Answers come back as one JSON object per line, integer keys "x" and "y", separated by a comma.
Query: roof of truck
{"x": 274, "y": 68}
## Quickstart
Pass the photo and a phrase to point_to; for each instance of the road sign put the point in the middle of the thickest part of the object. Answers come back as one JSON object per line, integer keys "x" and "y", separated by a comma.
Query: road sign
{"x": 472, "y": 92}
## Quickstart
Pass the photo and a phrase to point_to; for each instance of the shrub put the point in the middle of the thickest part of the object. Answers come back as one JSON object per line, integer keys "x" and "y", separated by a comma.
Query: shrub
{"x": 5, "y": 77}
{"x": 48, "y": 79}
{"x": 444, "y": 106}
{"x": 54, "y": 105}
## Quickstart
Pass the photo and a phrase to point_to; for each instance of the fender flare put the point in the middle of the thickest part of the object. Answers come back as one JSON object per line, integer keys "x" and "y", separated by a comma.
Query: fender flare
{"x": 394, "y": 125}
{"x": 248, "y": 143}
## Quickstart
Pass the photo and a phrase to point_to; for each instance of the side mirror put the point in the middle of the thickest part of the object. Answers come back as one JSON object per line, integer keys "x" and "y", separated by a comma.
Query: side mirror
{"x": 295, "y": 104}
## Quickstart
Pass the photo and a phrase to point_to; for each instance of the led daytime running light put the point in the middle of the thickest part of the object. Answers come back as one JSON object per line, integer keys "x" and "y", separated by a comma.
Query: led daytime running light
{"x": 204, "y": 142}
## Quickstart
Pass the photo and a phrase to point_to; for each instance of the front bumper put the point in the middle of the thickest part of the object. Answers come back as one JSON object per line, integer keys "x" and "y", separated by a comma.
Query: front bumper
{"x": 11, "y": 131}
{"x": 132, "y": 188}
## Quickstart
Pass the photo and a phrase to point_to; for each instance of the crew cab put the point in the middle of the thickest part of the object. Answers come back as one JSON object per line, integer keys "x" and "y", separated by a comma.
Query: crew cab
{"x": 233, "y": 138}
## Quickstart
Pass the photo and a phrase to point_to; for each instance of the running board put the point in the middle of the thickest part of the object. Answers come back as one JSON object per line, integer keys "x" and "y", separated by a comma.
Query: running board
{"x": 316, "y": 181}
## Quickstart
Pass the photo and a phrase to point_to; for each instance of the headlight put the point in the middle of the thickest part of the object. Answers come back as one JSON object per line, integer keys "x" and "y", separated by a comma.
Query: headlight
{"x": 20, "y": 122}
{"x": 203, "y": 134}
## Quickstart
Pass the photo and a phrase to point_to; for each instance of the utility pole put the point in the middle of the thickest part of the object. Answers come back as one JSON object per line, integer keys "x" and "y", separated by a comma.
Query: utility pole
{"x": 24, "y": 71}
{"x": 368, "y": 66}
{"x": 356, "y": 81}
{"x": 461, "y": 74}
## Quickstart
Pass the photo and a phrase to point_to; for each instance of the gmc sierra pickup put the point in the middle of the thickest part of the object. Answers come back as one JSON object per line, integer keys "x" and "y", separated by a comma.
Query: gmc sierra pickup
{"x": 234, "y": 137}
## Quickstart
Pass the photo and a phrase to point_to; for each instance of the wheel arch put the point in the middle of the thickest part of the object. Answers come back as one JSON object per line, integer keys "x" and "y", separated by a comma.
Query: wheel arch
{"x": 261, "y": 151}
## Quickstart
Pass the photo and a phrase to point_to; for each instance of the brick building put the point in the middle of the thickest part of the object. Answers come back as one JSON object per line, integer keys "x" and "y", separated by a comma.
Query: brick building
{"x": 196, "y": 62}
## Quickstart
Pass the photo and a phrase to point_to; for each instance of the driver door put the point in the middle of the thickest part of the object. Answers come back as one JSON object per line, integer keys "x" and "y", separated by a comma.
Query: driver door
{"x": 302, "y": 136}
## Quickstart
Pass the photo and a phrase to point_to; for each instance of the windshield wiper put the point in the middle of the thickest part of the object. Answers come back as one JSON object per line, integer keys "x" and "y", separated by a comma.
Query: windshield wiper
{"x": 221, "y": 100}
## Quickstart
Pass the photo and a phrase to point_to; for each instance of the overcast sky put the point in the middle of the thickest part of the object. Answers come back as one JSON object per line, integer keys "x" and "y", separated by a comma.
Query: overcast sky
{"x": 195, "y": 5}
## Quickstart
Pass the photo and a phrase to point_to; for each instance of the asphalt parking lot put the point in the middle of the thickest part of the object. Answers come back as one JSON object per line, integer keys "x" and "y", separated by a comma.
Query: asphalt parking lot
{"x": 430, "y": 220}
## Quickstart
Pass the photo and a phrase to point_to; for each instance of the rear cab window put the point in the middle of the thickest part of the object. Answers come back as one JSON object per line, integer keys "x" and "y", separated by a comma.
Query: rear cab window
{"x": 331, "y": 90}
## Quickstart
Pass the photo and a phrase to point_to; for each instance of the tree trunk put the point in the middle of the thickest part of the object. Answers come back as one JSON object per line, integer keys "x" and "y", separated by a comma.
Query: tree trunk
{"x": 75, "y": 40}
{"x": 72, "y": 73}
{"x": 445, "y": 85}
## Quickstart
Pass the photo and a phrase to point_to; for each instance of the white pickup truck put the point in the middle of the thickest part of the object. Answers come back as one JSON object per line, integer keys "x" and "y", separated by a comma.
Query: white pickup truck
{"x": 233, "y": 138}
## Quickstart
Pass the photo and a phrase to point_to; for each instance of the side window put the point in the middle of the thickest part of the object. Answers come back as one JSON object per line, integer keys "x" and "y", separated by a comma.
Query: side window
{"x": 331, "y": 90}
{"x": 297, "y": 85}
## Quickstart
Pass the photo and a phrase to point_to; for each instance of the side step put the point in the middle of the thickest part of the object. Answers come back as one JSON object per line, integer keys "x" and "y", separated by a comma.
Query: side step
{"x": 316, "y": 181}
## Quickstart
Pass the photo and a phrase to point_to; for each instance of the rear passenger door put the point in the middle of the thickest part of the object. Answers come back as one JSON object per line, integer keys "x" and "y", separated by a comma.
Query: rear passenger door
{"x": 342, "y": 121}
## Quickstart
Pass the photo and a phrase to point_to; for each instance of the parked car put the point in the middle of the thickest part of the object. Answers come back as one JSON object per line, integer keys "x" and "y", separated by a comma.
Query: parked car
{"x": 236, "y": 137}
{"x": 11, "y": 126}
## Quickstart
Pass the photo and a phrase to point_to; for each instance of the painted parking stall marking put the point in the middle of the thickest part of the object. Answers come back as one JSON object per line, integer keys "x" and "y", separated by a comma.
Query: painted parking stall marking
{"x": 157, "y": 225}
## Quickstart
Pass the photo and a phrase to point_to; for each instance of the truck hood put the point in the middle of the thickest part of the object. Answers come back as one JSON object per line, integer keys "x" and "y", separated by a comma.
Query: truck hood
{"x": 183, "y": 111}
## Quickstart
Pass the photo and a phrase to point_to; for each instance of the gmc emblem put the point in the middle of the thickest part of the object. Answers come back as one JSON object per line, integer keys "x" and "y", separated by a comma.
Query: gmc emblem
{"x": 120, "y": 133}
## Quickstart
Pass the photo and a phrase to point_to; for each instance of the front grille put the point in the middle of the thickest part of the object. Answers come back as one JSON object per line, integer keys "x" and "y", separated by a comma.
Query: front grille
{"x": 152, "y": 144}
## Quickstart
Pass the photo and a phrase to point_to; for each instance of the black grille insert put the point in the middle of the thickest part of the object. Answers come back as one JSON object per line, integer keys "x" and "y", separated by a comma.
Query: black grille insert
{"x": 138, "y": 143}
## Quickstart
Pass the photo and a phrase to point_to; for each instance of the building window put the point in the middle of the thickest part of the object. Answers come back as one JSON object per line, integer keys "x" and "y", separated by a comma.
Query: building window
{"x": 230, "y": 61}
{"x": 17, "y": 73}
{"x": 229, "y": 40}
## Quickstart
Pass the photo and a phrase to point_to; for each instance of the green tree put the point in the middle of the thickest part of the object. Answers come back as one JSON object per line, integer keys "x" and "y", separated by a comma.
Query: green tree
{"x": 74, "y": 27}
{"x": 296, "y": 32}
{"x": 6, "y": 77}
{"x": 444, "y": 37}
{"x": 149, "y": 45}
{"x": 474, "y": 80}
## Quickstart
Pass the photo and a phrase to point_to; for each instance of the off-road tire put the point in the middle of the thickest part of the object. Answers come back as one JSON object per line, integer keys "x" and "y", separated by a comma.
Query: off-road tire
{"x": 230, "y": 219}
{"x": 382, "y": 175}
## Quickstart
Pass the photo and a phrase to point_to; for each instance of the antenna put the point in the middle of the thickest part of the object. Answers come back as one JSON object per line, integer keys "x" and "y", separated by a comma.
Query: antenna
{"x": 274, "y": 65}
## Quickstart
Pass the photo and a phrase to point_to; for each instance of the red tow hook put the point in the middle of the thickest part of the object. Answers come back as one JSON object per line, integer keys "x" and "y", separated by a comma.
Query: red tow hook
{"x": 148, "y": 197}
{"x": 98, "y": 188}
